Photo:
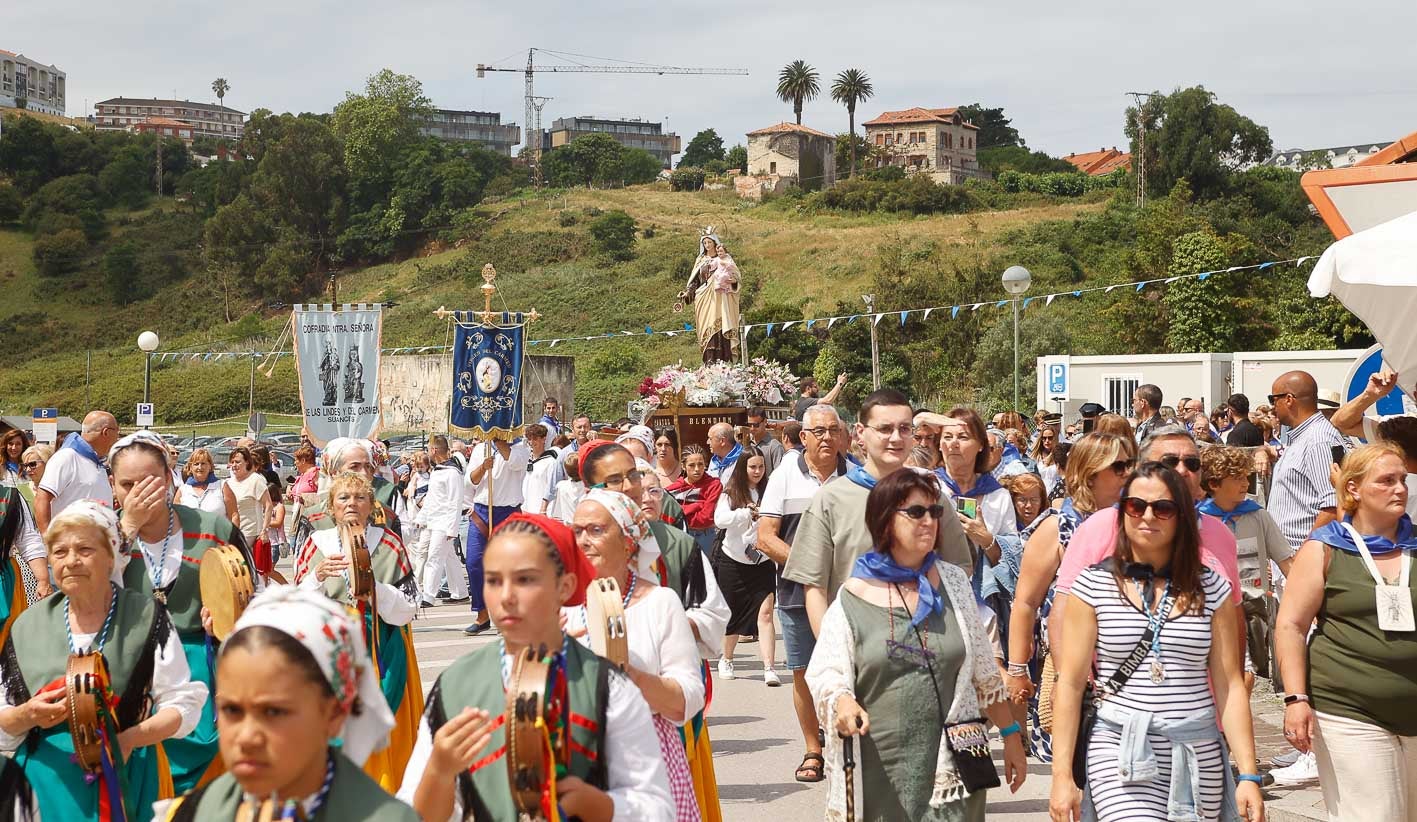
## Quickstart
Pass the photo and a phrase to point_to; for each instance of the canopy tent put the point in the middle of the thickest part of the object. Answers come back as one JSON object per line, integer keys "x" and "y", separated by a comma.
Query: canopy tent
{"x": 1374, "y": 274}
{"x": 23, "y": 423}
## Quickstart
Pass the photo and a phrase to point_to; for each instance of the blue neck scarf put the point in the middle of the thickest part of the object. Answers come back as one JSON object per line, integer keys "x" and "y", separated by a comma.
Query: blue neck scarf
{"x": 983, "y": 486}
{"x": 1336, "y": 535}
{"x": 861, "y": 477}
{"x": 728, "y": 459}
{"x": 1011, "y": 453}
{"x": 194, "y": 482}
{"x": 1068, "y": 512}
{"x": 12, "y": 467}
{"x": 1246, "y": 506}
{"x": 878, "y": 566}
{"x": 78, "y": 443}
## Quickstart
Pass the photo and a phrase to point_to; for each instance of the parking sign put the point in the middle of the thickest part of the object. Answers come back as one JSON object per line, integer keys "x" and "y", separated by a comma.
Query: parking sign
{"x": 1058, "y": 379}
{"x": 145, "y": 414}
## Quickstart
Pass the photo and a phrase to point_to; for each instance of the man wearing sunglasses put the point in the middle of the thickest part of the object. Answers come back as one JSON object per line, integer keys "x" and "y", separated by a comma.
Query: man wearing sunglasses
{"x": 1301, "y": 495}
{"x": 1095, "y": 540}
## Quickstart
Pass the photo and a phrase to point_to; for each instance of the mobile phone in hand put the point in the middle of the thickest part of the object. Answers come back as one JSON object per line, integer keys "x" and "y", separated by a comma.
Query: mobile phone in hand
{"x": 1338, "y": 453}
{"x": 969, "y": 507}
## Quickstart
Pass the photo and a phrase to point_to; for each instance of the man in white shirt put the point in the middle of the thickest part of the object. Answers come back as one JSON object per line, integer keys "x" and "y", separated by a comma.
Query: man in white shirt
{"x": 502, "y": 465}
{"x": 438, "y": 520}
{"x": 76, "y": 470}
{"x": 723, "y": 452}
{"x": 543, "y": 472}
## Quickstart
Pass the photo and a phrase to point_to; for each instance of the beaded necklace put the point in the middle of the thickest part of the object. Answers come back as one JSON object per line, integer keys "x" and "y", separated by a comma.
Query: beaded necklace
{"x": 102, "y": 638}
{"x": 155, "y": 569}
{"x": 901, "y": 651}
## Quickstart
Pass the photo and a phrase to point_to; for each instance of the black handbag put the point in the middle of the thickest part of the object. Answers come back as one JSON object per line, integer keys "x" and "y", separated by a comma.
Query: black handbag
{"x": 969, "y": 742}
{"x": 1092, "y": 697}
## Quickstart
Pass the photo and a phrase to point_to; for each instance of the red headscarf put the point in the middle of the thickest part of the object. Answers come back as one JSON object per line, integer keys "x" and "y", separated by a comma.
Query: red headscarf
{"x": 572, "y": 558}
{"x": 586, "y": 449}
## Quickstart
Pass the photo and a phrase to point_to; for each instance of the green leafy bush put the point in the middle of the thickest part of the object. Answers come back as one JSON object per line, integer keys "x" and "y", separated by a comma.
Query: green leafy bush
{"x": 614, "y": 234}
{"x": 687, "y": 179}
{"x": 61, "y": 252}
{"x": 12, "y": 204}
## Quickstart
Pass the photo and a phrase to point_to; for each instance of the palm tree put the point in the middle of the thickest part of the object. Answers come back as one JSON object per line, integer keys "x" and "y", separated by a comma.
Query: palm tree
{"x": 221, "y": 87}
{"x": 796, "y": 84}
{"x": 851, "y": 87}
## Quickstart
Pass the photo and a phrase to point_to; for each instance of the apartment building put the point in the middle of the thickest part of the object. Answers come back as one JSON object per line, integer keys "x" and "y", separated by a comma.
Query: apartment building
{"x": 633, "y": 133}
{"x": 205, "y": 119}
{"x": 29, "y": 84}
{"x": 482, "y": 127}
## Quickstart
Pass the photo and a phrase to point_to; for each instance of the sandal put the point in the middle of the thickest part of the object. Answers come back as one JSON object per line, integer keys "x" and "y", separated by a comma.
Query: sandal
{"x": 814, "y": 772}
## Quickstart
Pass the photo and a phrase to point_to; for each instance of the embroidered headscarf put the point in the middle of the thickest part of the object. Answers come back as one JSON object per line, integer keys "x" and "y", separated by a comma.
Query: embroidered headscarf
{"x": 329, "y": 631}
{"x": 573, "y": 559}
{"x": 95, "y": 513}
{"x": 643, "y": 433}
{"x": 634, "y": 524}
{"x": 338, "y": 448}
{"x": 145, "y": 437}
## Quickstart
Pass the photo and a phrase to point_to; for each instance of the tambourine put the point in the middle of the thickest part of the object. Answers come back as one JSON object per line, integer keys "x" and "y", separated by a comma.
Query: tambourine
{"x": 361, "y": 568}
{"x": 527, "y": 759}
{"x": 605, "y": 621}
{"x": 227, "y": 587}
{"x": 85, "y": 680}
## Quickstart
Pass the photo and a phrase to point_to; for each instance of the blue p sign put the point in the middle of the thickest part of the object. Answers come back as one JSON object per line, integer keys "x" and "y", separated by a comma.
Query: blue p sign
{"x": 1058, "y": 379}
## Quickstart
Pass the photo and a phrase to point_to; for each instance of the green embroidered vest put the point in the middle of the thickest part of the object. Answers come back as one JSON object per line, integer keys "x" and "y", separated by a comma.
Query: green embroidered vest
{"x": 41, "y": 641}
{"x": 200, "y": 530}
{"x": 475, "y": 680}
{"x": 389, "y": 564}
{"x": 352, "y": 796}
{"x": 677, "y": 549}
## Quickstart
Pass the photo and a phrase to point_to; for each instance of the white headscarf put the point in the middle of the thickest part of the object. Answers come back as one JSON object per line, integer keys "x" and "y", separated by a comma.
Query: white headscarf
{"x": 332, "y": 635}
{"x": 93, "y": 512}
{"x": 336, "y": 450}
{"x": 643, "y": 433}
{"x": 634, "y": 524}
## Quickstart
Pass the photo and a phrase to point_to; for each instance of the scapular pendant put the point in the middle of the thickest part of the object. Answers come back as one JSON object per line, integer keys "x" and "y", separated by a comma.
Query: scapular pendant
{"x": 1158, "y": 673}
{"x": 160, "y": 595}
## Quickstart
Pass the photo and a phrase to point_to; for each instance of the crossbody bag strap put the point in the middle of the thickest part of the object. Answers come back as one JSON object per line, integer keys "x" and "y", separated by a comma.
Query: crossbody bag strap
{"x": 1129, "y": 665}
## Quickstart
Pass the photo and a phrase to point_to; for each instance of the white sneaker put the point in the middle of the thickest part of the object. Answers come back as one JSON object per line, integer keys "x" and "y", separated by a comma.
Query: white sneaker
{"x": 725, "y": 668}
{"x": 1304, "y": 769}
{"x": 770, "y": 678}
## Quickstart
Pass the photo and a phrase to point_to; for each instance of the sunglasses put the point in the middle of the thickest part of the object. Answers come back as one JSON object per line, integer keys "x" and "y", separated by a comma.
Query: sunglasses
{"x": 935, "y": 511}
{"x": 1193, "y": 464}
{"x": 31, "y": 465}
{"x": 1273, "y": 398}
{"x": 1121, "y": 467}
{"x": 1164, "y": 509}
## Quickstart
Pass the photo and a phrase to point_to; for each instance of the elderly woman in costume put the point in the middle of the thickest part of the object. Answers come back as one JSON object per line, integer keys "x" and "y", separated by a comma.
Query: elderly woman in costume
{"x": 713, "y": 288}
{"x": 903, "y": 663}
{"x": 324, "y": 563}
{"x": 610, "y": 766}
{"x": 148, "y": 685}
{"x": 664, "y": 662}
{"x": 164, "y": 544}
{"x": 301, "y": 711}
{"x": 341, "y": 455}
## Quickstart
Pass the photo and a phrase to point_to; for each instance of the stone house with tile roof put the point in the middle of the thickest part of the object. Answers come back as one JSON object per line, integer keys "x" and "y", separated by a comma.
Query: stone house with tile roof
{"x": 785, "y": 155}
{"x": 934, "y": 141}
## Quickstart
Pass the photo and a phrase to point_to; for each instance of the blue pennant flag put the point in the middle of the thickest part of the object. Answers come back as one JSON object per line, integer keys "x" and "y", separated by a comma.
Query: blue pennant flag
{"x": 487, "y": 379}
{"x": 810, "y": 323}
{"x": 852, "y": 319}
{"x": 954, "y": 312}
{"x": 1026, "y": 301}
{"x": 1263, "y": 266}
{"x": 902, "y": 318}
{"x": 688, "y": 327}
{"x": 1205, "y": 276}
{"x": 770, "y": 325}
{"x": 1140, "y": 286}
{"x": 1001, "y": 303}
{"x": 648, "y": 330}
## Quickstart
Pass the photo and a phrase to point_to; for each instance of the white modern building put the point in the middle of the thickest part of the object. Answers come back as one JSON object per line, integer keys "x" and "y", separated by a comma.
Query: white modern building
{"x": 29, "y": 84}
{"x": 1065, "y": 381}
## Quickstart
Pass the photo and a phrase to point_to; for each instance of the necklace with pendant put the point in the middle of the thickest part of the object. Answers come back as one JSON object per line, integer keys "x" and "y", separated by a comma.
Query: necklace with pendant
{"x": 1154, "y": 621}
{"x": 157, "y": 567}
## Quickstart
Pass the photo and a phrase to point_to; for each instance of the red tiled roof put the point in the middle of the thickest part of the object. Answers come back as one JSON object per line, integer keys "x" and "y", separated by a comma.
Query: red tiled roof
{"x": 166, "y": 121}
{"x": 919, "y": 115}
{"x": 787, "y": 128}
{"x": 1100, "y": 162}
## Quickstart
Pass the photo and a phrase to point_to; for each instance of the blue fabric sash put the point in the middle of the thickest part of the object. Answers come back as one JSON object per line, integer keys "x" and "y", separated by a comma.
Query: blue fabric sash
{"x": 1336, "y": 535}
{"x": 78, "y": 443}
{"x": 1208, "y": 506}
{"x": 878, "y": 566}
{"x": 194, "y": 482}
{"x": 983, "y": 486}
{"x": 728, "y": 459}
{"x": 861, "y": 477}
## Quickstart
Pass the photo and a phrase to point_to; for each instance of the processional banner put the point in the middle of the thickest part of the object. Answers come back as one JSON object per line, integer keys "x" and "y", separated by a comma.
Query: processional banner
{"x": 337, "y": 358}
{"x": 487, "y": 374}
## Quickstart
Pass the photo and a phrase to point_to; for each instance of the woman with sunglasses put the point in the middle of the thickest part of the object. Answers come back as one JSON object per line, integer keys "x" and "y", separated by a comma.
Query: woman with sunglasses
{"x": 1097, "y": 467}
{"x": 1164, "y": 632}
{"x": 903, "y": 664}
{"x": 1351, "y": 685}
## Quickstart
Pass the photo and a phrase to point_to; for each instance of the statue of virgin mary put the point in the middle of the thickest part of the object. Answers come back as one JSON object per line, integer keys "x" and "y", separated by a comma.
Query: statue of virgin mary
{"x": 713, "y": 288}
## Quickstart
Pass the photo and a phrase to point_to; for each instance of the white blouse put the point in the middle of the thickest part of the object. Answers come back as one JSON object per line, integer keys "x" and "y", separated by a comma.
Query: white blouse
{"x": 172, "y": 687}
{"x": 211, "y": 499}
{"x": 28, "y": 540}
{"x": 660, "y": 639}
{"x": 395, "y": 607}
{"x": 740, "y": 532}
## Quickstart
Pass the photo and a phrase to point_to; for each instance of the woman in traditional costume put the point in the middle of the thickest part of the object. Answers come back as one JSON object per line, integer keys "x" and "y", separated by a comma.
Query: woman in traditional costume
{"x": 21, "y": 550}
{"x": 713, "y": 287}
{"x": 301, "y": 710}
{"x": 144, "y": 680}
{"x": 164, "y": 545}
{"x": 607, "y": 759}
{"x": 324, "y": 564}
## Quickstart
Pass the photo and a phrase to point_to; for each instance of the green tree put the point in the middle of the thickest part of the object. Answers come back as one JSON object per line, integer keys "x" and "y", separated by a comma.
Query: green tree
{"x": 375, "y": 128}
{"x": 1018, "y": 158}
{"x": 300, "y": 183}
{"x": 796, "y": 84}
{"x": 614, "y": 234}
{"x": 851, "y": 87}
{"x": 867, "y": 155}
{"x": 796, "y": 347}
{"x": 127, "y": 178}
{"x": 994, "y": 128}
{"x": 12, "y": 203}
{"x": 1190, "y": 136}
{"x": 595, "y": 159}
{"x": 220, "y": 87}
{"x": 737, "y": 158}
{"x": 77, "y": 195}
{"x": 705, "y": 146}
{"x": 28, "y": 154}
{"x": 120, "y": 269}
{"x": 1203, "y": 316}
{"x": 60, "y": 252}
{"x": 1040, "y": 333}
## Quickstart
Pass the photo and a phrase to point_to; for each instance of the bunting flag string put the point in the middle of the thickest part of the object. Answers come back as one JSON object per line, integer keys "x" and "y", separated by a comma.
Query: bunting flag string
{"x": 768, "y": 328}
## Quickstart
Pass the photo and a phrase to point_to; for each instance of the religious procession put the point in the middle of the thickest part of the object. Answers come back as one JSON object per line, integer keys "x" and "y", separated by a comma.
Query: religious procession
{"x": 610, "y": 488}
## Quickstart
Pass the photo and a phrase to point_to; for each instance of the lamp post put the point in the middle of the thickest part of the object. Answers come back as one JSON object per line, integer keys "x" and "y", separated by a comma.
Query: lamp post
{"x": 147, "y": 342}
{"x": 1016, "y": 281}
{"x": 870, "y": 300}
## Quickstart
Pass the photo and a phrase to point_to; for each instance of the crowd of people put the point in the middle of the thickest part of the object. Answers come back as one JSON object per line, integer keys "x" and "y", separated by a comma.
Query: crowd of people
{"x": 1101, "y": 595}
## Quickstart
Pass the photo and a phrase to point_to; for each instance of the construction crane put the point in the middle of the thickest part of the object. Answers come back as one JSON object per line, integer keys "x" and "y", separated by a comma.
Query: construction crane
{"x": 533, "y": 109}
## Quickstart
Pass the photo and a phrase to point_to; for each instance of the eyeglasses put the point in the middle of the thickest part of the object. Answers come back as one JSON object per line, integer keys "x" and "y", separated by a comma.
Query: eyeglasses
{"x": 758, "y": 424}
{"x": 935, "y": 511}
{"x": 823, "y": 431}
{"x": 1273, "y": 398}
{"x": 620, "y": 480}
{"x": 905, "y": 429}
{"x": 31, "y": 465}
{"x": 1193, "y": 464}
{"x": 1121, "y": 467}
{"x": 1135, "y": 507}
{"x": 596, "y": 532}
{"x": 654, "y": 492}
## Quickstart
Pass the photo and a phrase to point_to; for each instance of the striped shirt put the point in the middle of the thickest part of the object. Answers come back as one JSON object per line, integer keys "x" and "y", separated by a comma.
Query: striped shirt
{"x": 789, "y": 491}
{"x": 1301, "y": 485}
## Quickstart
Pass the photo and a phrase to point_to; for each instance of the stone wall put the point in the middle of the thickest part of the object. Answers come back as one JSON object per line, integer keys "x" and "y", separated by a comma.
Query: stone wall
{"x": 805, "y": 159}
{"x": 416, "y": 389}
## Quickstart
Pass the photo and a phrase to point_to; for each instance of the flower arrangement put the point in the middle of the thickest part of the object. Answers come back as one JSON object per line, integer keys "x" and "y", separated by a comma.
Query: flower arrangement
{"x": 760, "y": 382}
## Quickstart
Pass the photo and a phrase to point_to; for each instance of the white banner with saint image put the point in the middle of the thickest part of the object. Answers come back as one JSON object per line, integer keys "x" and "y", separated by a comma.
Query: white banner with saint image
{"x": 337, "y": 358}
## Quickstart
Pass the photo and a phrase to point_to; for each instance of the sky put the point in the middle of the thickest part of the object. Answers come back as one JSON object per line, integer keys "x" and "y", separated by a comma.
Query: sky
{"x": 1316, "y": 77}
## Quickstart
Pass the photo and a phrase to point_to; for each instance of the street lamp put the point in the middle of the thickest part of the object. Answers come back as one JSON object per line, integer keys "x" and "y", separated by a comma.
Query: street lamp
{"x": 148, "y": 342}
{"x": 1016, "y": 280}
{"x": 870, "y": 300}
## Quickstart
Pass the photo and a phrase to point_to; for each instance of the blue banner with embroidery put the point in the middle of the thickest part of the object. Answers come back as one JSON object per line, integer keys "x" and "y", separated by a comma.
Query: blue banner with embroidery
{"x": 487, "y": 374}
